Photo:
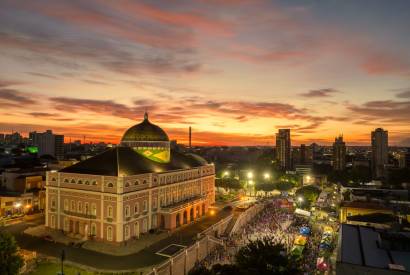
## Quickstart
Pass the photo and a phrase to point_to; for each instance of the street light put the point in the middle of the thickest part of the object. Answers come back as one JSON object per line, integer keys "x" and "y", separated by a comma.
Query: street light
{"x": 250, "y": 175}
{"x": 226, "y": 174}
{"x": 300, "y": 199}
{"x": 266, "y": 176}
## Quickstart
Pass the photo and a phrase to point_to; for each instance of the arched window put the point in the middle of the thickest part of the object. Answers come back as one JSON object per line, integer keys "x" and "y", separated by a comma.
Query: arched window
{"x": 94, "y": 182}
{"x": 127, "y": 211}
{"x": 109, "y": 233}
{"x": 86, "y": 209}
{"x": 93, "y": 209}
{"x": 136, "y": 182}
{"x": 53, "y": 179}
{"x": 93, "y": 229}
{"x": 73, "y": 206}
{"x": 80, "y": 182}
{"x": 144, "y": 182}
{"x": 80, "y": 207}
{"x": 136, "y": 208}
{"x": 145, "y": 205}
{"x": 127, "y": 232}
{"x": 87, "y": 182}
{"x": 66, "y": 181}
{"x": 109, "y": 212}
{"x": 73, "y": 181}
{"x": 110, "y": 185}
{"x": 127, "y": 184}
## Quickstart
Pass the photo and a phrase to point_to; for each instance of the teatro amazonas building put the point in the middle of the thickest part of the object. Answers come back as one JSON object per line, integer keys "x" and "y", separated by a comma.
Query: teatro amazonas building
{"x": 141, "y": 184}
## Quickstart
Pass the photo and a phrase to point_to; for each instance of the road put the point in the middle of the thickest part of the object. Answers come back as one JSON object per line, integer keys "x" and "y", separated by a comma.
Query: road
{"x": 146, "y": 257}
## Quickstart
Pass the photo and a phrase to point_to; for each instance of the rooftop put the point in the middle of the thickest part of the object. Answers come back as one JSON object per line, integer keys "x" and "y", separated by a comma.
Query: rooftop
{"x": 364, "y": 246}
{"x": 124, "y": 161}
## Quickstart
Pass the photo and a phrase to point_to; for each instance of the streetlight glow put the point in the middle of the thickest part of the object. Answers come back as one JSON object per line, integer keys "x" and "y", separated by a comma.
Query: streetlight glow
{"x": 17, "y": 205}
{"x": 300, "y": 199}
{"x": 226, "y": 174}
{"x": 250, "y": 175}
{"x": 266, "y": 176}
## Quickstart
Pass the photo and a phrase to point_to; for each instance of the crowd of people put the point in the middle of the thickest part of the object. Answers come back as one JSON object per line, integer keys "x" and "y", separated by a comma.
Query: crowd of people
{"x": 280, "y": 225}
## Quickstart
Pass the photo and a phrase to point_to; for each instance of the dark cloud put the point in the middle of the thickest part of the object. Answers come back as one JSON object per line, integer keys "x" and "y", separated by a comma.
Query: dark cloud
{"x": 383, "y": 110}
{"x": 13, "y": 96}
{"x": 404, "y": 94}
{"x": 320, "y": 93}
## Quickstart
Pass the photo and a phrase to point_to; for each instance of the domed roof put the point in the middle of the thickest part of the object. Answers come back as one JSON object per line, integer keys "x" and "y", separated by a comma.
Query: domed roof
{"x": 145, "y": 131}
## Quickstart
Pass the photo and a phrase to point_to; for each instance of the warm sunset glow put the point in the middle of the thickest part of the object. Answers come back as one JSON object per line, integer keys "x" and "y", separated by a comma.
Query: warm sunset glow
{"x": 235, "y": 71}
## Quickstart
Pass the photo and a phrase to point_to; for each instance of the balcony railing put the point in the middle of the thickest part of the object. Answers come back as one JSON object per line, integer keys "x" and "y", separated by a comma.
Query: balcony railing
{"x": 81, "y": 215}
{"x": 182, "y": 204}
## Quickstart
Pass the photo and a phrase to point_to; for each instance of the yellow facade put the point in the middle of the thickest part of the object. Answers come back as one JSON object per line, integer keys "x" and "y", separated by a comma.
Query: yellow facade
{"x": 347, "y": 211}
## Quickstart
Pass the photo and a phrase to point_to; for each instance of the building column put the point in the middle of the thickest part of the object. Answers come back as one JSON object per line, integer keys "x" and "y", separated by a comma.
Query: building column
{"x": 101, "y": 211}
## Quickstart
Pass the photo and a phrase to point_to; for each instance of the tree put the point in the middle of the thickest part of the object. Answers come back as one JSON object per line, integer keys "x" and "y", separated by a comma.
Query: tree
{"x": 10, "y": 261}
{"x": 228, "y": 183}
{"x": 265, "y": 187}
{"x": 265, "y": 258}
{"x": 309, "y": 193}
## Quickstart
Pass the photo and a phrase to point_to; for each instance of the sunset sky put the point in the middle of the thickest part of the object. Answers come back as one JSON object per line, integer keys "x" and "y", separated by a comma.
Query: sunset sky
{"x": 234, "y": 70}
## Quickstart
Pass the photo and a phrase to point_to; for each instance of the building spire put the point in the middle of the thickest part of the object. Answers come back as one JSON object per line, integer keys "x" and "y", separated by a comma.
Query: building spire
{"x": 146, "y": 115}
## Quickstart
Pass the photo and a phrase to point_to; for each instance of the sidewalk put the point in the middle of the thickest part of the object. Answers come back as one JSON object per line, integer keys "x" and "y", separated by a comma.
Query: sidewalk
{"x": 41, "y": 231}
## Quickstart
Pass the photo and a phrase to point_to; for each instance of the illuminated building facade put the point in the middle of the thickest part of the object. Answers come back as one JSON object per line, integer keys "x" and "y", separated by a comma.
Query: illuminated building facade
{"x": 140, "y": 185}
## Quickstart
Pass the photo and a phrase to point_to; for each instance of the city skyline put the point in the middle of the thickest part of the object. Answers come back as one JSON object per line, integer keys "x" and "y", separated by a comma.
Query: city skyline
{"x": 235, "y": 71}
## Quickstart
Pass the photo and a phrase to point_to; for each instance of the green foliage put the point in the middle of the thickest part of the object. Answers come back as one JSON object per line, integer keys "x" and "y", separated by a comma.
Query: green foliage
{"x": 260, "y": 257}
{"x": 284, "y": 185}
{"x": 228, "y": 183}
{"x": 265, "y": 186}
{"x": 309, "y": 193}
{"x": 265, "y": 258}
{"x": 10, "y": 261}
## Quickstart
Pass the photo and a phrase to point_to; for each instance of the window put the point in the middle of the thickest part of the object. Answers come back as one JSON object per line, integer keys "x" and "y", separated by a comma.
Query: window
{"x": 53, "y": 202}
{"x": 145, "y": 205}
{"x": 136, "y": 208}
{"x": 154, "y": 203}
{"x": 127, "y": 184}
{"x": 53, "y": 179}
{"x": 53, "y": 221}
{"x": 80, "y": 207}
{"x": 73, "y": 206}
{"x": 144, "y": 226}
{"x": 66, "y": 206}
{"x": 127, "y": 211}
{"x": 94, "y": 182}
{"x": 137, "y": 229}
{"x": 110, "y": 185}
{"x": 66, "y": 224}
{"x": 66, "y": 181}
{"x": 87, "y": 182}
{"x": 127, "y": 232}
{"x": 109, "y": 233}
{"x": 73, "y": 181}
{"x": 93, "y": 209}
{"x": 109, "y": 212}
{"x": 80, "y": 182}
{"x": 136, "y": 182}
{"x": 144, "y": 182}
{"x": 93, "y": 229}
{"x": 86, "y": 209}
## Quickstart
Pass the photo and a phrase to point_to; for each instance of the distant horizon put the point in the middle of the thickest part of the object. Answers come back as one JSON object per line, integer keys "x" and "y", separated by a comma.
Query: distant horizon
{"x": 234, "y": 70}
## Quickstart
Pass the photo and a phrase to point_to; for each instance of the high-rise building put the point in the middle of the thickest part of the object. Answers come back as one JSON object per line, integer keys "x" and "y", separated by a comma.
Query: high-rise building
{"x": 48, "y": 143}
{"x": 379, "y": 152}
{"x": 339, "y": 154}
{"x": 283, "y": 148}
